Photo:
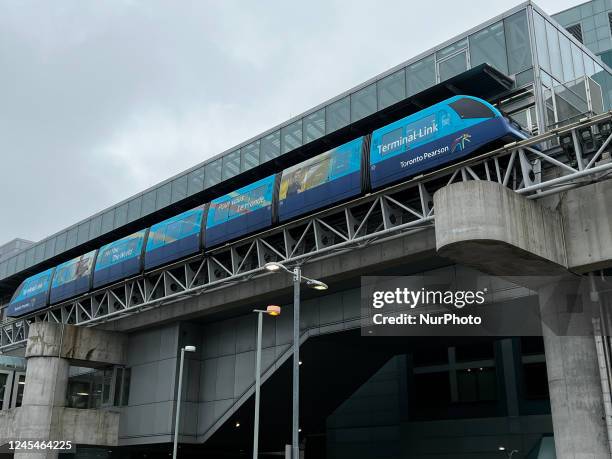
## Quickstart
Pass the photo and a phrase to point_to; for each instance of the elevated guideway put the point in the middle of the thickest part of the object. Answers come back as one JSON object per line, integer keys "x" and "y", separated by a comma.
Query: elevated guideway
{"x": 548, "y": 164}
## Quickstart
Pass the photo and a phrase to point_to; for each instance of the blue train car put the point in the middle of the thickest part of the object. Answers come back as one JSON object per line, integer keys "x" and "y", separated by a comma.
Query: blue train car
{"x": 73, "y": 277}
{"x": 434, "y": 136}
{"x": 174, "y": 238}
{"x": 240, "y": 212}
{"x": 32, "y": 294}
{"x": 317, "y": 182}
{"x": 119, "y": 259}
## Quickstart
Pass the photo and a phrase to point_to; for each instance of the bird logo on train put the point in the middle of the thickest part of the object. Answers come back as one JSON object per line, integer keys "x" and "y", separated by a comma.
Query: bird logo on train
{"x": 459, "y": 143}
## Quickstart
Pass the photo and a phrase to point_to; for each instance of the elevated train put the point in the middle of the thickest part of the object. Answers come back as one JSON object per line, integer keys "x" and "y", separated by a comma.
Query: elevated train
{"x": 439, "y": 134}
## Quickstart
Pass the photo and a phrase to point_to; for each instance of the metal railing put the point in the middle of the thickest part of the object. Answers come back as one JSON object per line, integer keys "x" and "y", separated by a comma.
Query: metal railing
{"x": 526, "y": 167}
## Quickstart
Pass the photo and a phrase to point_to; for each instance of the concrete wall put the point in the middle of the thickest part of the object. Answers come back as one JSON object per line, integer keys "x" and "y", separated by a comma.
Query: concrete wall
{"x": 152, "y": 357}
{"x": 50, "y": 350}
{"x": 487, "y": 226}
{"x": 219, "y": 376}
{"x": 368, "y": 423}
{"x": 587, "y": 224}
{"x": 85, "y": 427}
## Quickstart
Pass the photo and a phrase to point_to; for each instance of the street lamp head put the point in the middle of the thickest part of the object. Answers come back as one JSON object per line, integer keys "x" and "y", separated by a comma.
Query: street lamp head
{"x": 273, "y": 266}
{"x": 190, "y": 348}
{"x": 501, "y": 448}
{"x": 273, "y": 310}
{"x": 317, "y": 285}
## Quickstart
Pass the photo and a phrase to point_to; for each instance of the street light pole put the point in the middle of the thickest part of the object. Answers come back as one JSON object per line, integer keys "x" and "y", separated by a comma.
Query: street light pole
{"x": 257, "y": 384}
{"x": 178, "y": 399}
{"x": 297, "y": 279}
{"x": 272, "y": 311}
{"x": 273, "y": 266}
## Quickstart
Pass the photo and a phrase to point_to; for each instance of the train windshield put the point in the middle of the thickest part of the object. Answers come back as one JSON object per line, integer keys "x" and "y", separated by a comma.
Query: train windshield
{"x": 32, "y": 286}
{"x": 469, "y": 108}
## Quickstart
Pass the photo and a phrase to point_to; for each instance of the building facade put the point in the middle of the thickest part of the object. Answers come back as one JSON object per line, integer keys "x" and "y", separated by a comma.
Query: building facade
{"x": 591, "y": 24}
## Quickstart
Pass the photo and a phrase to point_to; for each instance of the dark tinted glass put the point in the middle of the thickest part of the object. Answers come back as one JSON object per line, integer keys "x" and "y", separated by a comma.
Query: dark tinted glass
{"x": 179, "y": 188}
{"x": 476, "y": 384}
{"x": 212, "y": 174}
{"x": 535, "y": 381}
{"x": 391, "y": 89}
{"x": 83, "y": 233}
{"x": 470, "y": 108}
{"x": 196, "y": 181}
{"x": 249, "y": 156}
{"x": 71, "y": 238}
{"x": 270, "y": 146}
{"x": 314, "y": 125}
{"x": 291, "y": 136}
{"x": 163, "y": 196}
{"x": 337, "y": 115}
{"x": 231, "y": 164}
{"x": 50, "y": 248}
{"x": 107, "y": 221}
{"x": 148, "y": 202}
{"x": 363, "y": 102}
{"x": 474, "y": 351}
{"x": 121, "y": 215}
{"x": 134, "y": 209}
{"x": 432, "y": 394}
{"x": 39, "y": 254}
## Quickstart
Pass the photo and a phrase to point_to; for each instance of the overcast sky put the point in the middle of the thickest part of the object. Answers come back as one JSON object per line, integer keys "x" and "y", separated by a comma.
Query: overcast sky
{"x": 102, "y": 99}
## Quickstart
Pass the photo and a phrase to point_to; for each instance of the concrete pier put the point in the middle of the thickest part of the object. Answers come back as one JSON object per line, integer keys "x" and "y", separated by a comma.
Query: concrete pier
{"x": 489, "y": 227}
{"x": 50, "y": 351}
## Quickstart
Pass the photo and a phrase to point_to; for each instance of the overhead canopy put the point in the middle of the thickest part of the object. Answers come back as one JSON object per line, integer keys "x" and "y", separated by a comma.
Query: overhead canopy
{"x": 482, "y": 81}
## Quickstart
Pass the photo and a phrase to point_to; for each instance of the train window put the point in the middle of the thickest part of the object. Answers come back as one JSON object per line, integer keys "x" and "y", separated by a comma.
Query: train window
{"x": 392, "y": 139}
{"x": 247, "y": 202}
{"x": 119, "y": 250}
{"x": 470, "y": 108}
{"x": 173, "y": 231}
{"x": 341, "y": 162}
{"x": 73, "y": 269}
{"x": 220, "y": 212}
{"x": 178, "y": 229}
{"x": 32, "y": 286}
{"x": 321, "y": 169}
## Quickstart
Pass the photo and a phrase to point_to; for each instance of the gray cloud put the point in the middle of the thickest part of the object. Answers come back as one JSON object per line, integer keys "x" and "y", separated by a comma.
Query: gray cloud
{"x": 103, "y": 99}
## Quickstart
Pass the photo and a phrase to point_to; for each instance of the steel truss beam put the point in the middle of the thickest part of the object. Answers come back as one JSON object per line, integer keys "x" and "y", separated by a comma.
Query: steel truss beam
{"x": 550, "y": 163}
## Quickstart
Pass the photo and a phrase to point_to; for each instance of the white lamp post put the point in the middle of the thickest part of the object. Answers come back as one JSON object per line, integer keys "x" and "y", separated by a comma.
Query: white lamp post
{"x": 317, "y": 285}
{"x": 271, "y": 311}
{"x": 178, "y": 398}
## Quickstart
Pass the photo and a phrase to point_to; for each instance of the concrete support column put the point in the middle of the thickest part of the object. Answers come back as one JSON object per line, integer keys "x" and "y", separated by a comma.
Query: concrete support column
{"x": 489, "y": 227}
{"x": 574, "y": 379}
{"x": 45, "y": 391}
{"x": 50, "y": 350}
